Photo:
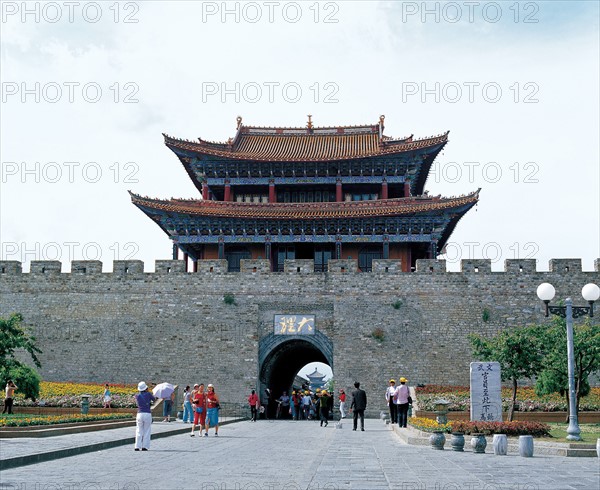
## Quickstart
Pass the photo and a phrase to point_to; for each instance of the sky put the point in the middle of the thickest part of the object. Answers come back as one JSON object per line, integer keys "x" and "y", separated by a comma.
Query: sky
{"x": 88, "y": 88}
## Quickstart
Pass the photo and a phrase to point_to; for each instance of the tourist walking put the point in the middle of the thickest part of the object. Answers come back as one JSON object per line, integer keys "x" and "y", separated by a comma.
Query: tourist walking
{"x": 167, "y": 407}
{"x": 325, "y": 405}
{"x": 254, "y": 404}
{"x": 199, "y": 404}
{"x": 106, "y": 396}
{"x": 9, "y": 393}
{"x": 390, "y": 398}
{"x": 358, "y": 406}
{"x": 268, "y": 404}
{"x": 295, "y": 405}
{"x": 403, "y": 399}
{"x": 143, "y": 419}
{"x": 188, "y": 413}
{"x": 212, "y": 411}
{"x": 306, "y": 402}
{"x": 283, "y": 406}
{"x": 342, "y": 399}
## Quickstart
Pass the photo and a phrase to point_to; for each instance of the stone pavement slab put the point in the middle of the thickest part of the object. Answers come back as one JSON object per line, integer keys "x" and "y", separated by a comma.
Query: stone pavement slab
{"x": 300, "y": 455}
{"x": 21, "y": 451}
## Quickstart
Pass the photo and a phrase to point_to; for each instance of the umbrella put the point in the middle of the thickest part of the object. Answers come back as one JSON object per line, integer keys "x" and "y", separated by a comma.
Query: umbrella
{"x": 163, "y": 390}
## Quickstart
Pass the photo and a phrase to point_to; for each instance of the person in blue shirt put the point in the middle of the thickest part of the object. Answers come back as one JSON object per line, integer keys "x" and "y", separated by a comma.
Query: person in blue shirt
{"x": 143, "y": 419}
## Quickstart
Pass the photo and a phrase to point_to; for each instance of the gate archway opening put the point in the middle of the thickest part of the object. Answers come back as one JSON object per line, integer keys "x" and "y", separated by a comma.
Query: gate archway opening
{"x": 282, "y": 357}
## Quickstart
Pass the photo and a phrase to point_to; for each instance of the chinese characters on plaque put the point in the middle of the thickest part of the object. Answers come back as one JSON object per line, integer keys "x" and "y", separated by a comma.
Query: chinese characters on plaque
{"x": 486, "y": 400}
{"x": 294, "y": 325}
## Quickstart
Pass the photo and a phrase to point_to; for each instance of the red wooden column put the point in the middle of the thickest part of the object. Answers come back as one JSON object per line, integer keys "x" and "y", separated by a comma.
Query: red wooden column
{"x": 227, "y": 196}
{"x": 272, "y": 194}
{"x": 205, "y": 191}
{"x": 195, "y": 265}
{"x": 338, "y": 190}
{"x": 185, "y": 260}
{"x": 406, "y": 189}
{"x": 384, "y": 189}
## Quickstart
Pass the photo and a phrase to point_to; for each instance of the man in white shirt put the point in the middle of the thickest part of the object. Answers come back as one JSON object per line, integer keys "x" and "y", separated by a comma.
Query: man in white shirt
{"x": 390, "y": 394}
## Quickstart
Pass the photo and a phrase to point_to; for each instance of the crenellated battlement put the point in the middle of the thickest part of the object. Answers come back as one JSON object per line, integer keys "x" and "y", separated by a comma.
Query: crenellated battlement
{"x": 262, "y": 266}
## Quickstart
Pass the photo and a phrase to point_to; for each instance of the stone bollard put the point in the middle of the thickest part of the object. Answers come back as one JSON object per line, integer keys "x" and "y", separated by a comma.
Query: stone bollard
{"x": 500, "y": 442}
{"x": 598, "y": 447}
{"x": 526, "y": 446}
{"x": 457, "y": 441}
{"x": 437, "y": 440}
{"x": 478, "y": 443}
{"x": 85, "y": 404}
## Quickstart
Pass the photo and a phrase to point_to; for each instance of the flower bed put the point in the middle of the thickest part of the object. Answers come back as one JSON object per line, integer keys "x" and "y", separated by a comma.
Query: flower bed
{"x": 516, "y": 428}
{"x": 11, "y": 421}
{"x": 68, "y": 395}
{"x": 527, "y": 400}
{"x": 428, "y": 425}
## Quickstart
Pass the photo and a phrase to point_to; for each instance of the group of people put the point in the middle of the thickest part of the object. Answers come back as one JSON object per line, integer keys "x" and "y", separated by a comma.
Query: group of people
{"x": 398, "y": 400}
{"x": 306, "y": 405}
{"x": 204, "y": 406}
{"x": 200, "y": 409}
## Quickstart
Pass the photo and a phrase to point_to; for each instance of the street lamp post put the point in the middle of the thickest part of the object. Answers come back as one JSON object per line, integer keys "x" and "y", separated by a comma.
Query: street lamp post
{"x": 590, "y": 293}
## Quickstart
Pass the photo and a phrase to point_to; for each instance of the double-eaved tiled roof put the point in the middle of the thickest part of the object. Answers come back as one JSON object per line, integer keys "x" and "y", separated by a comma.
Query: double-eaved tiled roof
{"x": 306, "y": 210}
{"x": 306, "y": 144}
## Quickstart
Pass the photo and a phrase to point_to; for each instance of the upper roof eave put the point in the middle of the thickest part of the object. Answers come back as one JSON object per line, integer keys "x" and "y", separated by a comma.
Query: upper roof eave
{"x": 225, "y": 150}
{"x": 383, "y": 207}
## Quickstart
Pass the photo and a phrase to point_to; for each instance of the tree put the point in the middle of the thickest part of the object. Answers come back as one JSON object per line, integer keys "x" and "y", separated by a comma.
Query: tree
{"x": 517, "y": 351}
{"x": 13, "y": 336}
{"x": 553, "y": 378}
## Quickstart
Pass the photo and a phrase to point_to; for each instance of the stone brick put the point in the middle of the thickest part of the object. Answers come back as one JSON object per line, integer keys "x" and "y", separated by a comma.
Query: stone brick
{"x": 256, "y": 265}
{"x": 169, "y": 266}
{"x": 475, "y": 265}
{"x": 565, "y": 265}
{"x": 86, "y": 267}
{"x": 45, "y": 267}
{"x": 128, "y": 267}
{"x": 431, "y": 266}
{"x": 10, "y": 267}
{"x": 520, "y": 265}
{"x": 387, "y": 266}
{"x": 342, "y": 265}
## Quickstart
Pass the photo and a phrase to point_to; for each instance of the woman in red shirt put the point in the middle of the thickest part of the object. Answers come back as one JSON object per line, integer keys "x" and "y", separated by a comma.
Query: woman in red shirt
{"x": 342, "y": 398}
{"x": 199, "y": 403}
{"x": 253, "y": 402}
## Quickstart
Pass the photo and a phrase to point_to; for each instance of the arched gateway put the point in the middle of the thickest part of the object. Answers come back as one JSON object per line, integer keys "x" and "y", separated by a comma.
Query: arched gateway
{"x": 280, "y": 357}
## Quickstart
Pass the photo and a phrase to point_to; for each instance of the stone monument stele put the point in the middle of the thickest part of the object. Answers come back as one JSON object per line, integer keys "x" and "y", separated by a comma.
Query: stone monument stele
{"x": 486, "y": 398}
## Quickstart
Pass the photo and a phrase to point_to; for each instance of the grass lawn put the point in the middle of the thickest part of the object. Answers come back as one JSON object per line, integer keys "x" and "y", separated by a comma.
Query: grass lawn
{"x": 589, "y": 433}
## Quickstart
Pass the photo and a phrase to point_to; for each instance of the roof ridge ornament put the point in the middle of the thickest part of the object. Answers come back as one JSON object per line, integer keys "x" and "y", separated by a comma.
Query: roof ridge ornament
{"x": 381, "y": 126}
{"x": 239, "y": 122}
{"x": 309, "y": 124}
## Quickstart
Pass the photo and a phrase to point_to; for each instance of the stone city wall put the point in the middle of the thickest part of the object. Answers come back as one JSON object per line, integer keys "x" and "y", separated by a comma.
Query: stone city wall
{"x": 128, "y": 325}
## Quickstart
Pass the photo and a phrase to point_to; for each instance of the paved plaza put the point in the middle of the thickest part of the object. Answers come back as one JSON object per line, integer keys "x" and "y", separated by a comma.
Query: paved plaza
{"x": 289, "y": 455}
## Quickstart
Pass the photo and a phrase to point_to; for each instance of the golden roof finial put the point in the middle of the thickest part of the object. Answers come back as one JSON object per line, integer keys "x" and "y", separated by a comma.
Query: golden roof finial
{"x": 381, "y": 118}
{"x": 239, "y": 122}
{"x": 309, "y": 125}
